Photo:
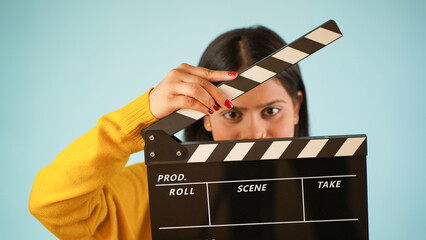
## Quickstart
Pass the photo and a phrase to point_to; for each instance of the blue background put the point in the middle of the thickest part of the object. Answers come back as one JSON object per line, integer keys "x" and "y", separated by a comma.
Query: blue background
{"x": 63, "y": 64}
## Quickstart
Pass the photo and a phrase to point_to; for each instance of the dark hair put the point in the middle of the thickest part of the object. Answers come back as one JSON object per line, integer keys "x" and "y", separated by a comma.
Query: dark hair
{"x": 239, "y": 49}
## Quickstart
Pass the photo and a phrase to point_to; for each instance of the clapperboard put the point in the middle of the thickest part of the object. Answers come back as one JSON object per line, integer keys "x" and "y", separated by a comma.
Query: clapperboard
{"x": 291, "y": 188}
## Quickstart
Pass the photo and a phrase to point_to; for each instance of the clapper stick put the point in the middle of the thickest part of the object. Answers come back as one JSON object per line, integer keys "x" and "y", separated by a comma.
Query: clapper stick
{"x": 283, "y": 188}
{"x": 256, "y": 74}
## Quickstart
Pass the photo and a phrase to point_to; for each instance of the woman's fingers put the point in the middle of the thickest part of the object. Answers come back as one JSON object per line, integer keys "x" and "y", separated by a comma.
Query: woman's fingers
{"x": 203, "y": 90}
{"x": 210, "y": 75}
{"x": 189, "y": 87}
{"x": 167, "y": 98}
{"x": 199, "y": 76}
{"x": 197, "y": 92}
{"x": 185, "y": 102}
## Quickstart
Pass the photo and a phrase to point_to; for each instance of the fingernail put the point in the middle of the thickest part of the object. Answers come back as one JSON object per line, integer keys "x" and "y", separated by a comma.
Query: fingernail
{"x": 216, "y": 107}
{"x": 232, "y": 74}
{"x": 228, "y": 104}
{"x": 211, "y": 111}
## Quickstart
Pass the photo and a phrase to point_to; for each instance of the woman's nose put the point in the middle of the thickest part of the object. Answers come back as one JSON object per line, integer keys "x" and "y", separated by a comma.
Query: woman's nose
{"x": 254, "y": 128}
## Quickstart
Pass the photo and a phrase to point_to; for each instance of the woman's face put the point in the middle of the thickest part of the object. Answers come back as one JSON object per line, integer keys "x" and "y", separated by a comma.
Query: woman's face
{"x": 267, "y": 111}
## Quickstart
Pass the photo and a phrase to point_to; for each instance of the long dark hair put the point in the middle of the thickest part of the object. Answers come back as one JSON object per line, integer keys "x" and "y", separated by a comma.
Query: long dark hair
{"x": 241, "y": 48}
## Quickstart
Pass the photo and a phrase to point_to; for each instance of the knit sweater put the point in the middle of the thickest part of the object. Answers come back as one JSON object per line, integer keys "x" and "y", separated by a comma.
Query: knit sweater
{"x": 87, "y": 192}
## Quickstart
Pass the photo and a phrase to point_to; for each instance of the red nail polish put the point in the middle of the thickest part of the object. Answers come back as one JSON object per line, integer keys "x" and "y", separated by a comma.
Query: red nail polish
{"x": 216, "y": 107}
{"x": 232, "y": 74}
{"x": 211, "y": 111}
{"x": 228, "y": 104}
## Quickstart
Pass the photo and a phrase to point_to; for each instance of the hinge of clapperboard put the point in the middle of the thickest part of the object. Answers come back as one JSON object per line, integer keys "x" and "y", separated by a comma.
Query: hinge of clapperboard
{"x": 161, "y": 146}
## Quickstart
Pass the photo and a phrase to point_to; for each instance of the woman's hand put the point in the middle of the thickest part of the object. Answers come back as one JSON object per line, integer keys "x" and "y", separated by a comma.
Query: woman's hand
{"x": 189, "y": 87}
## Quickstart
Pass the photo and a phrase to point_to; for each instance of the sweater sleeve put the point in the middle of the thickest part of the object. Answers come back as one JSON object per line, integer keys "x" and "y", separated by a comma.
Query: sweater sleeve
{"x": 87, "y": 191}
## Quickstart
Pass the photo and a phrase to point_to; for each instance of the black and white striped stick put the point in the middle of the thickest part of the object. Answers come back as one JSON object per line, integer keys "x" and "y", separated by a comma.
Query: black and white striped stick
{"x": 258, "y": 73}
{"x": 258, "y": 149}
{"x": 271, "y": 149}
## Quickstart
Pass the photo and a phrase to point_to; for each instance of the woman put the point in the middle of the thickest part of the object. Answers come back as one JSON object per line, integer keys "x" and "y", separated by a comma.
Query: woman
{"x": 87, "y": 192}
{"x": 235, "y": 51}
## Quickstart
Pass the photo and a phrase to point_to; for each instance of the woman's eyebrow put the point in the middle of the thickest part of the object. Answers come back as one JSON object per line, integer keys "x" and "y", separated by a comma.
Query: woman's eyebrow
{"x": 271, "y": 103}
{"x": 241, "y": 108}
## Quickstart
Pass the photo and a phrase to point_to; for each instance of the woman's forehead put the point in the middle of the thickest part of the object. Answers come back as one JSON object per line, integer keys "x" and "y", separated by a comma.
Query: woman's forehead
{"x": 265, "y": 93}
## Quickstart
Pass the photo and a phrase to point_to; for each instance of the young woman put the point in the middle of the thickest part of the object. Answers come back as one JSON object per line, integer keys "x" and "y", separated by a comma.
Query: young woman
{"x": 87, "y": 192}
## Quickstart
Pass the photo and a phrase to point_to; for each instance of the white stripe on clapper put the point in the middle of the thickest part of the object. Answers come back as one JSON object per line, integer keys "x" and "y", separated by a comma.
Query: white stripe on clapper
{"x": 349, "y": 147}
{"x": 290, "y": 55}
{"x": 202, "y": 153}
{"x": 230, "y": 92}
{"x": 276, "y": 150}
{"x": 191, "y": 113}
{"x": 239, "y": 151}
{"x": 258, "y": 74}
{"x": 323, "y": 36}
{"x": 312, "y": 149}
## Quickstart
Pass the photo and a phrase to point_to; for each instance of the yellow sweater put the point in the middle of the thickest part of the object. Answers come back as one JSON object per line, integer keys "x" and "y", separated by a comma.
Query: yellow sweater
{"x": 87, "y": 192}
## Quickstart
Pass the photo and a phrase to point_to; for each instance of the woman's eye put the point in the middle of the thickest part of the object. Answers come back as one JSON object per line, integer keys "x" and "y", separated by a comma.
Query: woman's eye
{"x": 270, "y": 111}
{"x": 231, "y": 115}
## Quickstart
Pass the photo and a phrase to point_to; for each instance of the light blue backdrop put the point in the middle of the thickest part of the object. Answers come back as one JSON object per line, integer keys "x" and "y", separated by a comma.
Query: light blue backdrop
{"x": 63, "y": 64}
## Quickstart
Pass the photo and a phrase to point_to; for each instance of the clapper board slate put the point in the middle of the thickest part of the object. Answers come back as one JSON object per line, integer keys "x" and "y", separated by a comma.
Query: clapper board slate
{"x": 287, "y": 188}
